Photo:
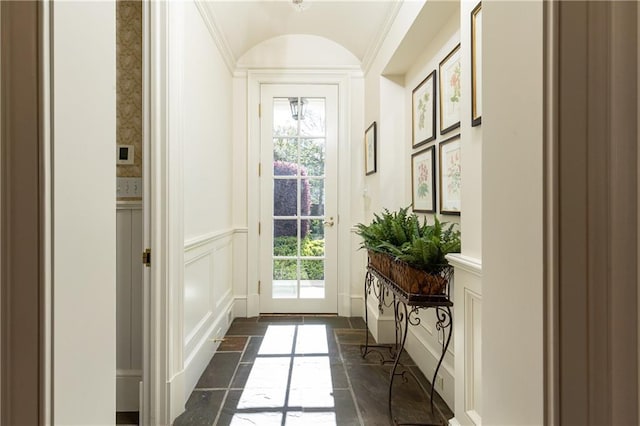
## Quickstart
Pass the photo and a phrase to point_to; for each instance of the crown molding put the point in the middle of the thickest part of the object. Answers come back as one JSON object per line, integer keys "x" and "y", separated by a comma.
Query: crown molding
{"x": 376, "y": 45}
{"x": 217, "y": 35}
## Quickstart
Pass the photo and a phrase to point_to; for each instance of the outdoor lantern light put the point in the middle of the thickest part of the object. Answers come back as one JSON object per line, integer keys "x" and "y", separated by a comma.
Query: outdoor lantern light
{"x": 297, "y": 108}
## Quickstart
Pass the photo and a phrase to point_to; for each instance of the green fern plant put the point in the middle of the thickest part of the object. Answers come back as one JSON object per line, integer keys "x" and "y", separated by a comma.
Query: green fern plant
{"x": 404, "y": 237}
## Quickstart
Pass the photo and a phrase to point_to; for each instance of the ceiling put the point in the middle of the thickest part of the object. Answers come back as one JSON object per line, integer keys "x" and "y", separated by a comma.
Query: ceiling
{"x": 357, "y": 25}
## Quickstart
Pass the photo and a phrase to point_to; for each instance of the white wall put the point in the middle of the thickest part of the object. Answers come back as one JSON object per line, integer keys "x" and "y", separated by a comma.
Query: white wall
{"x": 206, "y": 130}
{"x": 204, "y": 120}
{"x": 471, "y": 148}
{"x": 512, "y": 156}
{"x": 370, "y": 195}
{"x": 84, "y": 281}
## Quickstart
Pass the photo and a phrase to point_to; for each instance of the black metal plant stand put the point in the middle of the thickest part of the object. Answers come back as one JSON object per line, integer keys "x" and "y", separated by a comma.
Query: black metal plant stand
{"x": 406, "y": 307}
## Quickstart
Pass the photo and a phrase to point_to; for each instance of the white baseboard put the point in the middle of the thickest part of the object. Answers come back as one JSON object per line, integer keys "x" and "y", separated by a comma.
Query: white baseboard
{"x": 357, "y": 306}
{"x": 382, "y": 327}
{"x": 127, "y": 390}
{"x": 454, "y": 422}
{"x": 240, "y": 307}
{"x": 196, "y": 362}
{"x": 175, "y": 395}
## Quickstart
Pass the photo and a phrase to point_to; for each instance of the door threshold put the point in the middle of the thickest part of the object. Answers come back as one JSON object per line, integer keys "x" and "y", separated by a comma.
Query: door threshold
{"x": 298, "y": 315}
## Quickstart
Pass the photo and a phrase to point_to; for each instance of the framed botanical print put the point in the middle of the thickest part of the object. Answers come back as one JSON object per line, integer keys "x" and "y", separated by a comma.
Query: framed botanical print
{"x": 450, "y": 91}
{"x": 423, "y": 181}
{"x": 423, "y": 111}
{"x": 450, "y": 178}
{"x": 476, "y": 65}
{"x": 370, "y": 149}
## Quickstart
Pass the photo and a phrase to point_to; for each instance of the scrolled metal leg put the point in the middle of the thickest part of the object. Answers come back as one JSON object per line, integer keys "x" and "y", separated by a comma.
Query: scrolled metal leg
{"x": 443, "y": 323}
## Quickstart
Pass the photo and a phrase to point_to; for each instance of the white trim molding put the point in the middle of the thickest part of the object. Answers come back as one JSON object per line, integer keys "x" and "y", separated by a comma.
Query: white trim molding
{"x": 343, "y": 80}
{"x": 374, "y": 48}
{"x": 217, "y": 35}
{"x": 211, "y": 237}
{"x": 467, "y": 339}
{"x": 466, "y": 263}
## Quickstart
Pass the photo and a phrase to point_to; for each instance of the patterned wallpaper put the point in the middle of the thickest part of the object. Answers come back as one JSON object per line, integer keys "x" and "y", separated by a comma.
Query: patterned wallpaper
{"x": 129, "y": 82}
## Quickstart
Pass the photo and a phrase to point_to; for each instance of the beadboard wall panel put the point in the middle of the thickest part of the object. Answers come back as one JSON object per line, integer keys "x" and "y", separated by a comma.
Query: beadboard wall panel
{"x": 129, "y": 305}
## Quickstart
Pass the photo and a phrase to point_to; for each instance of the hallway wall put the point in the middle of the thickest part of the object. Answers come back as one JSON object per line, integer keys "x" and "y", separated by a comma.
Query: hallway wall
{"x": 204, "y": 135}
{"x": 200, "y": 197}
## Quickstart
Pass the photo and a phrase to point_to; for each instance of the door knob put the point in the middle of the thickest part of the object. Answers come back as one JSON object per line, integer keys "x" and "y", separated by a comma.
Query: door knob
{"x": 329, "y": 222}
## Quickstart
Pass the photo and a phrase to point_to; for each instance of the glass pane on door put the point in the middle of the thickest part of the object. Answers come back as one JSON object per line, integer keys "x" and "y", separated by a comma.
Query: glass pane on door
{"x": 299, "y": 139}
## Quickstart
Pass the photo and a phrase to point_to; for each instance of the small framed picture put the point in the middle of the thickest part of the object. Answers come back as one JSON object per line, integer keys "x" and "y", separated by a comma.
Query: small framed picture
{"x": 423, "y": 108}
{"x": 450, "y": 179}
{"x": 450, "y": 91}
{"x": 370, "y": 149}
{"x": 476, "y": 65}
{"x": 423, "y": 181}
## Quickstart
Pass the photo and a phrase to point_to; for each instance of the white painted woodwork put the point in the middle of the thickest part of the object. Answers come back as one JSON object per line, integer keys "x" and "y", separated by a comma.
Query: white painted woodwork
{"x": 129, "y": 305}
{"x": 191, "y": 165}
{"x": 205, "y": 134}
{"x": 84, "y": 217}
{"x": 240, "y": 273}
{"x": 512, "y": 249}
{"x": 208, "y": 300}
{"x": 467, "y": 325}
{"x": 350, "y": 125}
{"x": 329, "y": 303}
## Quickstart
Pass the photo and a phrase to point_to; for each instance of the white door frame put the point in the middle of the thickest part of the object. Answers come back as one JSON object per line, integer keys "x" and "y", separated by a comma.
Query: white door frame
{"x": 255, "y": 80}
{"x": 327, "y": 304}
{"x": 162, "y": 392}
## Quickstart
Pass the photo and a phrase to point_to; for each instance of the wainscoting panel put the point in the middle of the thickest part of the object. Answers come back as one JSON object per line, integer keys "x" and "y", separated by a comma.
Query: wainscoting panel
{"x": 197, "y": 293}
{"x": 467, "y": 325}
{"x": 208, "y": 300}
{"x": 472, "y": 356}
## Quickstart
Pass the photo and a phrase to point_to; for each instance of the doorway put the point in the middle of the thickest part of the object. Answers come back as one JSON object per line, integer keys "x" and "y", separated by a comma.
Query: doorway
{"x": 298, "y": 198}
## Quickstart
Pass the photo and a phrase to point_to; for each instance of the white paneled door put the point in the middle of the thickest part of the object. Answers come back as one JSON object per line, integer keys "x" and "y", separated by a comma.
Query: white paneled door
{"x": 298, "y": 198}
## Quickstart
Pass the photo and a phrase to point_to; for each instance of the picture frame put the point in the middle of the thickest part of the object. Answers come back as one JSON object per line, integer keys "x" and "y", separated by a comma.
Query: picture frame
{"x": 370, "y": 149}
{"x": 450, "y": 176}
{"x": 423, "y": 181}
{"x": 450, "y": 91}
{"x": 476, "y": 65}
{"x": 423, "y": 111}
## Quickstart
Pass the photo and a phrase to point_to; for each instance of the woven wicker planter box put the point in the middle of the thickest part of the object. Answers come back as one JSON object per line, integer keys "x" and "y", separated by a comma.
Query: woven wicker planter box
{"x": 408, "y": 278}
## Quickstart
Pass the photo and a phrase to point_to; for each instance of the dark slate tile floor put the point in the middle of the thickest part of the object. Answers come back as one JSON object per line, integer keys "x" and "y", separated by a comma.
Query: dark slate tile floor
{"x": 305, "y": 370}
